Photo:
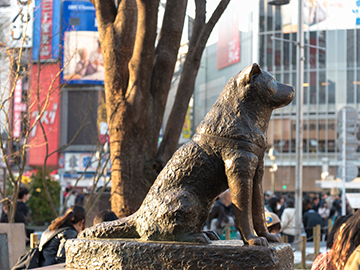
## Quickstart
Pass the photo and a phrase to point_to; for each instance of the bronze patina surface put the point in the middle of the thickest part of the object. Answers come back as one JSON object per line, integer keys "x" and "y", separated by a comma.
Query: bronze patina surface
{"x": 227, "y": 151}
{"x": 126, "y": 254}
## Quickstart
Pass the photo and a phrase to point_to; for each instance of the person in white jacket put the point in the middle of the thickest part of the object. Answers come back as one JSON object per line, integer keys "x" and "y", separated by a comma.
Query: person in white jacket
{"x": 288, "y": 226}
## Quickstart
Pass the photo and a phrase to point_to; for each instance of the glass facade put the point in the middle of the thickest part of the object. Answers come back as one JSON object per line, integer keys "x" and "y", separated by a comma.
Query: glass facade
{"x": 331, "y": 80}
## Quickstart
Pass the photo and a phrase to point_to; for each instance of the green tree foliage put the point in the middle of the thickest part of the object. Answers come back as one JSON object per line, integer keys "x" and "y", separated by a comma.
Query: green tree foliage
{"x": 39, "y": 204}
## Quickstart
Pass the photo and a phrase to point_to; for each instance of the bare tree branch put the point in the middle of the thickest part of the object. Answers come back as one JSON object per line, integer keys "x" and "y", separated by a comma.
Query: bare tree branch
{"x": 164, "y": 63}
{"x": 187, "y": 84}
{"x": 143, "y": 55}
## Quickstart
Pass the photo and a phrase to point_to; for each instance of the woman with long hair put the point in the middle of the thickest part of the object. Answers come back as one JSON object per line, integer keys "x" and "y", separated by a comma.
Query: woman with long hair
{"x": 323, "y": 260}
{"x": 52, "y": 242}
{"x": 346, "y": 242}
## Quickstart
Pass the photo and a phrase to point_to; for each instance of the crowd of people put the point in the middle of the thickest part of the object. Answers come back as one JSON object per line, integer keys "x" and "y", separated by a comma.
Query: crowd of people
{"x": 52, "y": 242}
{"x": 343, "y": 241}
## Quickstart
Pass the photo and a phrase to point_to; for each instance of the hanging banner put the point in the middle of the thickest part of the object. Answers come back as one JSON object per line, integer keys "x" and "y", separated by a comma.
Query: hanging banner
{"x": 50, "y": 117}
{"x": 47, "y": 34}
{"x": 228, "y": 46}
{"x": 17, "y": 109}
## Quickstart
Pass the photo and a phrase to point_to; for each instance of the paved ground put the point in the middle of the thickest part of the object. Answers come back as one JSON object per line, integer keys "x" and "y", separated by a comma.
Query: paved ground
{"x": 309, "y": 253}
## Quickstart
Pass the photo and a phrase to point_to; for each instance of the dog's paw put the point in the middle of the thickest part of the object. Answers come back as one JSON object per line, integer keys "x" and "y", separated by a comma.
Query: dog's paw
{"x": 200, "y": 238}
{"x": 257, "y": 241}
{"x": 212, "y": 235}
{"x": 273, "y": 237}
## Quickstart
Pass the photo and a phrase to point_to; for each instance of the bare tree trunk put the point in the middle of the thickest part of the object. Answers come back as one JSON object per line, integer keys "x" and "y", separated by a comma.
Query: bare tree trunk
{"x": 137, "y": 82}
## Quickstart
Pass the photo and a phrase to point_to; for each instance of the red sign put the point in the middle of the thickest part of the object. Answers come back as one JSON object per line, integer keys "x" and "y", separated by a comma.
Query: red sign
{"x": 228, "y": 46}
{"x": 46, "y": 29}
{"x": 50, "y": 117}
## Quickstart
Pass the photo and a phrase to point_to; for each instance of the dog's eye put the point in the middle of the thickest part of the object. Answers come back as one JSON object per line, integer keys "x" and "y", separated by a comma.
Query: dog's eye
{"x": 273, "y": 86}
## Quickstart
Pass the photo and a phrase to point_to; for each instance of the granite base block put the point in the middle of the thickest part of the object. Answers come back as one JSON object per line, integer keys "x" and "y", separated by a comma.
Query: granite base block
{"x": 133, "y": 254}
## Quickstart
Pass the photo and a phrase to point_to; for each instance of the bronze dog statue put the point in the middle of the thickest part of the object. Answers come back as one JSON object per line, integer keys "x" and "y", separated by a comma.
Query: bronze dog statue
{"x": 227, "y": 151}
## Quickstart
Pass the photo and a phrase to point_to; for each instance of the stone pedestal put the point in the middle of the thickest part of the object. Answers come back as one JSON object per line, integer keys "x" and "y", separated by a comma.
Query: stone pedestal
{"x": 12, "y": 244}
{"x": 132, "y": 254}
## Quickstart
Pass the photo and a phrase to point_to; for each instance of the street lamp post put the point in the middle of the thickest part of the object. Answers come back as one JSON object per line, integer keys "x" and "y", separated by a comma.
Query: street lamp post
{"x": 299, "y": 112}
{"x": 299, "y": 122}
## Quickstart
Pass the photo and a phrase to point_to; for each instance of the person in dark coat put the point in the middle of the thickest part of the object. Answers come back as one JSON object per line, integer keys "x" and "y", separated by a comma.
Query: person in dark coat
{"x": 311, "y": 218}
{"x": 53, "y": 251}
{"x": 103, "y": 216}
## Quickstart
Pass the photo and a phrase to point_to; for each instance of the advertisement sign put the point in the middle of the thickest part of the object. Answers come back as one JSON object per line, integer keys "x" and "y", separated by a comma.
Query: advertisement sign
{"x": 228, "y": 46}
{"x": 47, "y": 16}
{"x": 186, "y": 132}
{"x": 82, "y": 58}
{"x": 22, "y": 15}
{"x": 103, "y": 127}
{"x": 77, "y": 162}
{"x": 50, "y": 117}
{"x": 322, "y": 15}
{"x": 19, "y": 107}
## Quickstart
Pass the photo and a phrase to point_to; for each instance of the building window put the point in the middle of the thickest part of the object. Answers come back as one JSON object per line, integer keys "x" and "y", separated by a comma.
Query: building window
{"x": 350, "y": 91}
{"x": 82, "y": 112}
{"x": 350, "y": 48}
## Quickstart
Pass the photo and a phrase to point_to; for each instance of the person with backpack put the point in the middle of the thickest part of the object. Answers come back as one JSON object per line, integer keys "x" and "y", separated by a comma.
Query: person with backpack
{"x": 52, "y": 251}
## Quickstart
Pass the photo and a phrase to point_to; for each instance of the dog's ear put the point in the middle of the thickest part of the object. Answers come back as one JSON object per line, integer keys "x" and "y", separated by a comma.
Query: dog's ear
{"x": 255, "y": 70}
{"x": 248, "y": 74}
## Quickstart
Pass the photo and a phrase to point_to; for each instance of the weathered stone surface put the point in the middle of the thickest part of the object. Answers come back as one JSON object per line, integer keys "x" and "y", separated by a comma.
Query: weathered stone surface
{"x": 15, "y": 246}
{"x": 127, "y": 254}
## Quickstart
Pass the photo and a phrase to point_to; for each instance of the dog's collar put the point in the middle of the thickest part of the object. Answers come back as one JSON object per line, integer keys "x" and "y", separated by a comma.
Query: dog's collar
{"x": 215, "y": 141}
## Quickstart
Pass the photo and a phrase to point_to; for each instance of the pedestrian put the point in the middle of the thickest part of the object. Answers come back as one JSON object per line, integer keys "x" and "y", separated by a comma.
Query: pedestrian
{"x": 311, "y": 219}
{"x": 315, "y": 203}
{"x": 22, "y": 211}
{"x": 272, "y": 222}
{"x": 324, "y": 211}
{"x": 288, "y": 226}
{"x": 322, "y": 261}
{"x": 221, "y": 214}
{"x": 72, "y": 222}
{"x": 273, "y": 205}
{"x": 346, "y": 242}
{"x": 104, "y": 216}
{"x": 346, "y": 235}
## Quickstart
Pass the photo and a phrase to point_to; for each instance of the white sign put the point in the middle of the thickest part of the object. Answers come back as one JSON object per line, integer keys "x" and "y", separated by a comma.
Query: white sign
{"x": 77, "y": 162}
{"x": 22, "y": 16}
{"x": 354, "y": 200}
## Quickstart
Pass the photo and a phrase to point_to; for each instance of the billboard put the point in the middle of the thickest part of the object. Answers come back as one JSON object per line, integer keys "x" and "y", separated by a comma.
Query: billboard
{"x": 18, "y": 108}
{"x": 82, "y": 58}
{"x": 84, "y": 162}
{"x": 50, "y": 117}
{"x": 46, "y": 41}
{"x": 22, "y": 15}
{"x": 228, "y": 46}
{"x": 322, "y": 15}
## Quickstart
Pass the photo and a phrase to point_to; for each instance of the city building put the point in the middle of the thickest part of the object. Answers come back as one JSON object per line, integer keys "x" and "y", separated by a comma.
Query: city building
{"x": 267, "y": 34}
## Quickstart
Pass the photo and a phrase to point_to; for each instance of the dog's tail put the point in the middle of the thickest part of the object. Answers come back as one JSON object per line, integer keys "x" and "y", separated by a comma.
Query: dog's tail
{"x": 121, "y": 228}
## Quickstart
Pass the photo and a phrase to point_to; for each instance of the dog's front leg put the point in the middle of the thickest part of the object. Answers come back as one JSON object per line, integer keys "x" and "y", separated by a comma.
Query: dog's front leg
{"x": 258, "y": 209}
{"x": 240, "y": 168}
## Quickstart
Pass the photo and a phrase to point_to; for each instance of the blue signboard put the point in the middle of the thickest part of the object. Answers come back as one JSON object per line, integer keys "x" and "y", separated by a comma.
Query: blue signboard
{"x": 82, "y": 59}
{"x": 46, "y": 33}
